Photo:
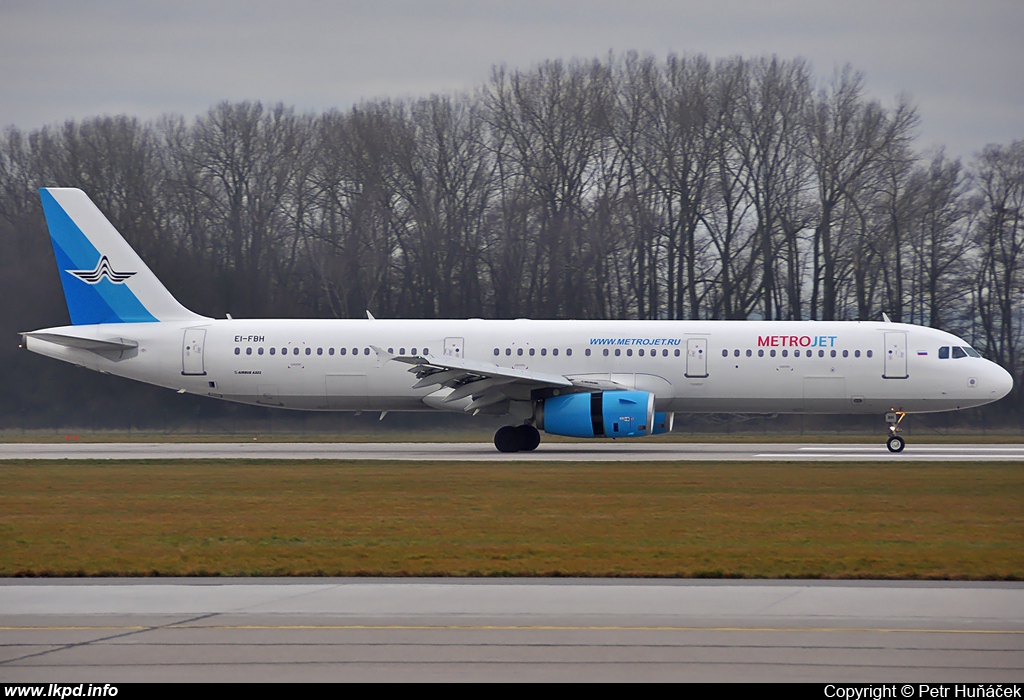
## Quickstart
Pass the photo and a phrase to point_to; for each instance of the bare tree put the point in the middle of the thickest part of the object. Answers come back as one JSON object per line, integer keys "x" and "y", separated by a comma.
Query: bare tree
{"x": 1000, "y": 266}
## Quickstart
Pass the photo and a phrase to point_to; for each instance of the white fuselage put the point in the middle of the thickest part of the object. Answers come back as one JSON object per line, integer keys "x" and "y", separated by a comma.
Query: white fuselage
{"x": 689, "y": 366}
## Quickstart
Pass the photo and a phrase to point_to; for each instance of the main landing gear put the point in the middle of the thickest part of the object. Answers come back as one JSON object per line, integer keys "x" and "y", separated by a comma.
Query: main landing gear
{"x": 517, "y": 438}
{"x": 895, "y": 443}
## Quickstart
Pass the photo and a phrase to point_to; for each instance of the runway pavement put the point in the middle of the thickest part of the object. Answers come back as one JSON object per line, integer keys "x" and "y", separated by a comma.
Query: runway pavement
{"x": 108, "y": 631}
{"x": 551, "y": 451}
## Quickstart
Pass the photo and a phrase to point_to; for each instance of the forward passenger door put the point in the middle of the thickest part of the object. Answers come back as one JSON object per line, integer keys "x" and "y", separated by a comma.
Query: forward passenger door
{"x": 895, "y": 355}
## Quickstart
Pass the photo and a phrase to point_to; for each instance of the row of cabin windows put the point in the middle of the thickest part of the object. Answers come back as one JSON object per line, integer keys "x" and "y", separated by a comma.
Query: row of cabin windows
{"x": 796, "y": 353}
{"x": 568, "y": 351}
{"x": 320, "y": 351}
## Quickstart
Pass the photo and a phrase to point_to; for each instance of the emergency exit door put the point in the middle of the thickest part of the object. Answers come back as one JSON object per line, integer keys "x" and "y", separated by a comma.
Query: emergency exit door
{"x": 696, "y": 357}
{"x": 453, "y": 347}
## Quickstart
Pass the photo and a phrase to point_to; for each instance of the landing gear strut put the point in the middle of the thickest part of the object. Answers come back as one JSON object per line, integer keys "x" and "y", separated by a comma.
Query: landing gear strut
{"x": 895, "y": 443}
{"x": 517, "y": 438}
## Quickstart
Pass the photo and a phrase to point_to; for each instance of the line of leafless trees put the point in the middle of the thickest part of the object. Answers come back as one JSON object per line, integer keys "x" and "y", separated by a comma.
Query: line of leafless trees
{"x": 621, "y": 188}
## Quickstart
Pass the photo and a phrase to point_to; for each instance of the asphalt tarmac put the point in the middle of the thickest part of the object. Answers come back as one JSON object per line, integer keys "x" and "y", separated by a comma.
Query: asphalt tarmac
{"x": 624, "y": 451}
{"x": 117, "y": 630}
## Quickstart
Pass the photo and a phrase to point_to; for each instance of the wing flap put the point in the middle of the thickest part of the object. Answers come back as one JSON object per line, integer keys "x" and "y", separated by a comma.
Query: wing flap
{"x": 459, "y": 371}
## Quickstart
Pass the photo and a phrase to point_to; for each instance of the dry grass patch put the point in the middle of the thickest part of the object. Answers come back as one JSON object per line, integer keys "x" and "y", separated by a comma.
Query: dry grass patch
{"x": 900, "y": 520}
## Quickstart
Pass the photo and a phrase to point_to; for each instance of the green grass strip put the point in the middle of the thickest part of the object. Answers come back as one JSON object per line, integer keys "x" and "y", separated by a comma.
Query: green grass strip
{"x": 715, "y": 519}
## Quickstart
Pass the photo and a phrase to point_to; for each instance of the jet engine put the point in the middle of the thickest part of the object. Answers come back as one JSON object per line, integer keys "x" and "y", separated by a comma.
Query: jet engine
{"x": 611, "y": 414}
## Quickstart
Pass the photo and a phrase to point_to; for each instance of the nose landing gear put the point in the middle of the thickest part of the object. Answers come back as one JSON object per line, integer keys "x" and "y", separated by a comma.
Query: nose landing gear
{"x": 895, "y": 443}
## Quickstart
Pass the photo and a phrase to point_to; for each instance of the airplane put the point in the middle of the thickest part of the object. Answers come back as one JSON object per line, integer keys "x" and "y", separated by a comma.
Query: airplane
{"x": 582, "y": 379}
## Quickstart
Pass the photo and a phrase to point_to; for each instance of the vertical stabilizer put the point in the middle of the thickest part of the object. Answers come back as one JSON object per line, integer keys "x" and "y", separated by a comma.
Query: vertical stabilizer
{"x": 104, "y": 280}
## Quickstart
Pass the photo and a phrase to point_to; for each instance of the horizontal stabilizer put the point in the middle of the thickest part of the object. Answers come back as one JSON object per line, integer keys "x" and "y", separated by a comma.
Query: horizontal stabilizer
{"x": 112, "y": 348}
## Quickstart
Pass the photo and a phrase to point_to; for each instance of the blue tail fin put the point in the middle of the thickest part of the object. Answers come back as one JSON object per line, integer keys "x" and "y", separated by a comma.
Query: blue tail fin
{"x": 104, "y": 280}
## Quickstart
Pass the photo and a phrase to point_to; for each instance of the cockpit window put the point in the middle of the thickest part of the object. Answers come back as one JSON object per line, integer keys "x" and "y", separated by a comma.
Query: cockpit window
{"x": 958, "y": 352}
{"x": 944, "y": 353}
{"x": 971, "y": 351}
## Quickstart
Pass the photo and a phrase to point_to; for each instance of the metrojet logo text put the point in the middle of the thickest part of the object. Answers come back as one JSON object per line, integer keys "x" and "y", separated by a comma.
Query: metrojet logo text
{"x": 796, "y": 341}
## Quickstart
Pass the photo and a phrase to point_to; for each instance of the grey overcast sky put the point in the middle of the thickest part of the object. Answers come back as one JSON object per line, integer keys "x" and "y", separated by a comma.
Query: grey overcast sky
{"x": 961, "y": 61}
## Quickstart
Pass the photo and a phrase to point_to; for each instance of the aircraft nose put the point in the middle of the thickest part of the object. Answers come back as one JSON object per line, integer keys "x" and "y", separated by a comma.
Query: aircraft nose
{"x": 1001, "y": 381}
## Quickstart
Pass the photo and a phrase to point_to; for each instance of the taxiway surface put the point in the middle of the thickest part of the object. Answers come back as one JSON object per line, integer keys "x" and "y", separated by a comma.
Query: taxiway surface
{"x": 553, "y": 451}
{"x": 102, "y": 630}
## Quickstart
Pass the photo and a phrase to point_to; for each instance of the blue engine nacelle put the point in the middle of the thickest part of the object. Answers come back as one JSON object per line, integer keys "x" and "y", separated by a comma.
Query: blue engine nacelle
{"x": 663, "y": 423}
{"x": 611, "y": 414}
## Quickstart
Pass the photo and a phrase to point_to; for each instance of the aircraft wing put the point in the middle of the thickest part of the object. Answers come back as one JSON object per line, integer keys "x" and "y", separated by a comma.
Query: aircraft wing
{"x": 484, "y": 382}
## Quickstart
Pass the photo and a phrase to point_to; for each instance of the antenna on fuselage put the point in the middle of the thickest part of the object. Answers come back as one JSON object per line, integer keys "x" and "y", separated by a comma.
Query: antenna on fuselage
{"x": 885, "y": 318}
{"x": 370, "y": 316}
